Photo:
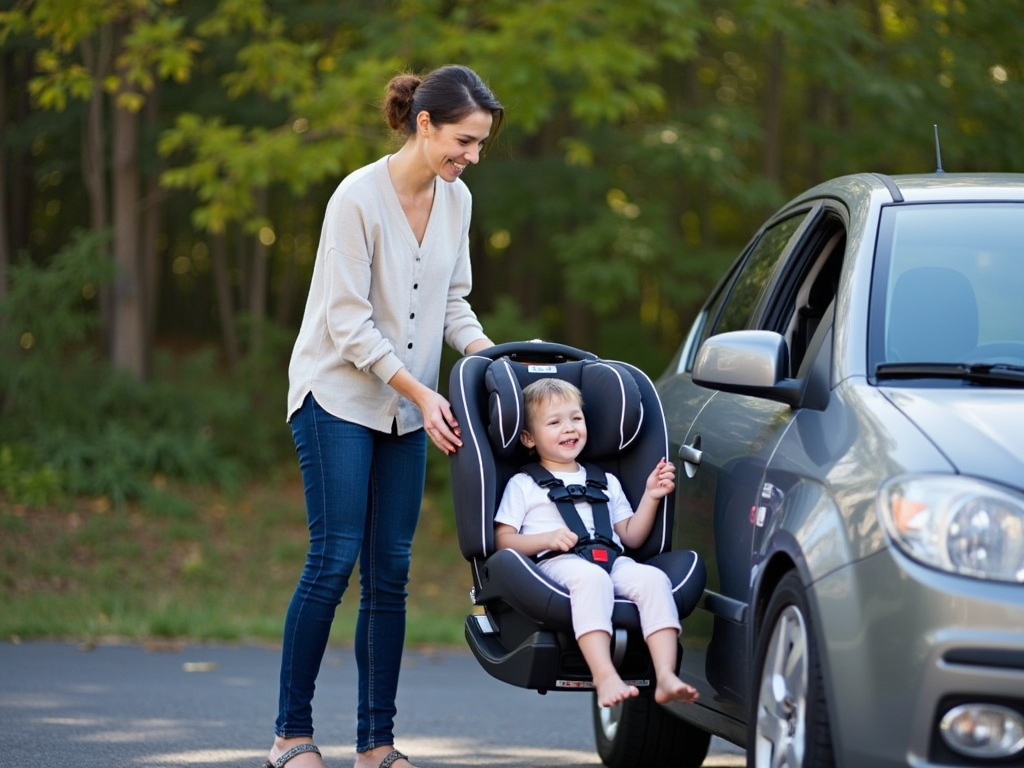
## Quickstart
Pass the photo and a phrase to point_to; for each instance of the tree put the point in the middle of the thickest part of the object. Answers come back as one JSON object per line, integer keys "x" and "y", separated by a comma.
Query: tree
{"x": 110, "y": 55}
{"x": 643, "y": 139}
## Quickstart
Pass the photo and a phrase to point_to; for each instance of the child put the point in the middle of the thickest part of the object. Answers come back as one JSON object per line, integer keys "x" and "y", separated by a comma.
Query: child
{"x": 530, "y": 523}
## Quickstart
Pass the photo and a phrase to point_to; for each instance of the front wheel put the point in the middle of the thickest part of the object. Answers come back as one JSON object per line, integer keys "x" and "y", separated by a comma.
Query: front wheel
{"x": 639, "y": 731}
{"x": 790, "y": 724}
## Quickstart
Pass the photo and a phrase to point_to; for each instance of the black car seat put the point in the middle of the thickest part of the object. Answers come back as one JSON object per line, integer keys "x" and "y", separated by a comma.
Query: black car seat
{"x": 521, "y": 627}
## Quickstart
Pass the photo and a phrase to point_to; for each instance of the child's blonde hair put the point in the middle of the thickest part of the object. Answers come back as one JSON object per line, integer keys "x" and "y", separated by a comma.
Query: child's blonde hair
{"x": 542, "y": 391}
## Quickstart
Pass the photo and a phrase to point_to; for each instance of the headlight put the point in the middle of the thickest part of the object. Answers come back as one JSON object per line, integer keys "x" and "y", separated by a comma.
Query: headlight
{"x": 958, "y": 524}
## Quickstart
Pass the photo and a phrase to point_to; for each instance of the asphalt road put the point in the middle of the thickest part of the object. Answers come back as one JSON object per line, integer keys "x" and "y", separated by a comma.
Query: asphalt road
{"x": 116, "y": 706}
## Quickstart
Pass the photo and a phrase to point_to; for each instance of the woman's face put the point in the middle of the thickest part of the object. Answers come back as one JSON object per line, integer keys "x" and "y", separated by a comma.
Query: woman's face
{"x": 448, "y": 149}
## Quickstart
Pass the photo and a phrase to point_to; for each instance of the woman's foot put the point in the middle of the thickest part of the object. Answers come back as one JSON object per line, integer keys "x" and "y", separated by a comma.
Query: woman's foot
{"x": 671, "y": 688}
{"x": 382, "y": 756}
{"x": 299, "y": 758}
{"x": 613, "y": 689}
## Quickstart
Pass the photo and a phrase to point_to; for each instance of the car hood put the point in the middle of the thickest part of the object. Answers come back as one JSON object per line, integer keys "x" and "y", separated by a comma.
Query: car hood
{"x": 981, "y": 431}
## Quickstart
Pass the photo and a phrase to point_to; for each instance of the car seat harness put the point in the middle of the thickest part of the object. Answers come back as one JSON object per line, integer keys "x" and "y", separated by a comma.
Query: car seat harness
{"x": 599, "y": 547}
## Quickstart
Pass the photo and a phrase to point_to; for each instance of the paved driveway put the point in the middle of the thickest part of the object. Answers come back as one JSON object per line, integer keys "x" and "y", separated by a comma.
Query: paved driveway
{"x": 126, "y": 706}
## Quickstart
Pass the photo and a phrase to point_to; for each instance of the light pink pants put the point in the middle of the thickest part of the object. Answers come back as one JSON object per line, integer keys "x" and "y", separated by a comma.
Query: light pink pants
{"x": 592, "y": 591}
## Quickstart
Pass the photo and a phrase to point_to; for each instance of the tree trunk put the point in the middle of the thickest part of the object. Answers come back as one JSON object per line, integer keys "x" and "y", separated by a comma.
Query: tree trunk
{"x": 5, "y": 240}
{"x": 151, "y": 212}
{"x": 19, "y": 162}
{"x": 97, "y": 61}
{"x": 129, "y": 343}
{"x": 128, "y": 350}
{"x": 578, "y": 322}
{"x": 258, "y": 283}
{"x": 225, "y": 303}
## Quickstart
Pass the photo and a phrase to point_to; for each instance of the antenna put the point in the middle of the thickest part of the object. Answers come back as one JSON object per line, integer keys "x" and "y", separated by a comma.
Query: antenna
{"x": 938, "y": 150}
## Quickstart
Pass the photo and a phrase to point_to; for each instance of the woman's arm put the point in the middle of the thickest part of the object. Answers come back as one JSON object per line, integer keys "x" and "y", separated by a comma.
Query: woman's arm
{"x": 479, "y": 345}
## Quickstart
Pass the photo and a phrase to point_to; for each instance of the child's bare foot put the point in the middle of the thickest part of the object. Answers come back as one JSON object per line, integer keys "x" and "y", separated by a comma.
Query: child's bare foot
{"x": 614, "y": 689}
{"x": 671, "y": 688}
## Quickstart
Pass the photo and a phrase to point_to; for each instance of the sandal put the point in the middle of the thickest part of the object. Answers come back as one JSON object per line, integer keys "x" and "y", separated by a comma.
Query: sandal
{"x": 299, "y": 749}
{"x": 390, "y": 758}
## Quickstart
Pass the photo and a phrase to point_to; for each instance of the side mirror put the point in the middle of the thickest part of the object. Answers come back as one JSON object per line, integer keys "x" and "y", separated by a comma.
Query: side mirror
{"x": 748, "y": 363}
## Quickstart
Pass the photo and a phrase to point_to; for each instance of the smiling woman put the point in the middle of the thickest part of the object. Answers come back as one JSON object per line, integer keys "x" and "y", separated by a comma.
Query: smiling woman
{"x": 389, "y": 287}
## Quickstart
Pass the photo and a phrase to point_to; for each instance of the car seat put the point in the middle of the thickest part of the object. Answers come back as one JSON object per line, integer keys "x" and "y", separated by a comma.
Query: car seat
{"x": 521, "y": 627}
{"x": 933, "y": 316}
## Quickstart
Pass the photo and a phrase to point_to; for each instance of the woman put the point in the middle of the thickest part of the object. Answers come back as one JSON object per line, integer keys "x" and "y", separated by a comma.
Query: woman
{"x": 389, "y": 285}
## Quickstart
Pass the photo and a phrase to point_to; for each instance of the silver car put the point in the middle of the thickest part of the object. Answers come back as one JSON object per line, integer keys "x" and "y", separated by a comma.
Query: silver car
{"x": 847, "y": 413}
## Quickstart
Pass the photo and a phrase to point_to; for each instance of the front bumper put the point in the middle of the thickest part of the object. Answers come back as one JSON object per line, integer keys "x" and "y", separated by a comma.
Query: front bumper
{"x": 902, "y": 644}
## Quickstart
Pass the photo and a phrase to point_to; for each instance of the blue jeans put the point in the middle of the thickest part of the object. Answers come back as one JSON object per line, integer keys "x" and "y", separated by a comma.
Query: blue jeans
{"x": 363, "y": 493}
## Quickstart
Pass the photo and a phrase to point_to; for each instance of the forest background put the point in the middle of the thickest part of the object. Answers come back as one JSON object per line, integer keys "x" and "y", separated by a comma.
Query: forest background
{"x": 164, "y": 168}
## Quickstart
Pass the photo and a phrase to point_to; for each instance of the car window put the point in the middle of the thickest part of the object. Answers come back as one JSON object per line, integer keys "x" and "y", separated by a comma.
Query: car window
{"x": 807, "y": 284}
{"x": 700, "y": 329}
{"x": 948, "y": 284}
{"x": 747, "y": 290}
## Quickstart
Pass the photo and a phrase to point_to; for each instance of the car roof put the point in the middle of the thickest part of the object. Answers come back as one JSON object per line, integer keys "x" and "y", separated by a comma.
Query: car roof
{"x": 920, "y": 187}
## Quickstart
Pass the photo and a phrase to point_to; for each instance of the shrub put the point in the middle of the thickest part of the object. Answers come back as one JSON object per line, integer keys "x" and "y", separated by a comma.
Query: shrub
{"x": 74, "y": 425}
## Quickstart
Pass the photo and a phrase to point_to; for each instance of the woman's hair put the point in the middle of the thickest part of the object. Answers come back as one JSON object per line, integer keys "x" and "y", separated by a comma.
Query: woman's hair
{"x": 542, "y": 391}
{"x": 448, "y": 94}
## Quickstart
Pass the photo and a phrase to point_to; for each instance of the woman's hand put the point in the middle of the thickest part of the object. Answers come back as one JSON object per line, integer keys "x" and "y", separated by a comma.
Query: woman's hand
{"x": 439, "y": 421}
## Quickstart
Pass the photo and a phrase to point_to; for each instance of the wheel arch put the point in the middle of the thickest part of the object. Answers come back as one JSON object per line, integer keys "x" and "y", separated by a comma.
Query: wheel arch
{"x": 787, "y": 559}
{"x": 784, "y": 559}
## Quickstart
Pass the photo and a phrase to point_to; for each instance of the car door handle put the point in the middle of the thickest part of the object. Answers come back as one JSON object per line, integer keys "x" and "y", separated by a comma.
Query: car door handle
{"x": 691, "y": 455}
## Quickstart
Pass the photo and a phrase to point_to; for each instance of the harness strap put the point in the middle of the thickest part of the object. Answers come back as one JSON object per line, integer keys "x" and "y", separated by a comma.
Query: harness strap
{"x": 599, "y": 547}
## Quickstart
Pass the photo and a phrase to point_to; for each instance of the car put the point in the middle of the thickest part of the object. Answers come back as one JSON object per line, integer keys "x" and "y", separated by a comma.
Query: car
{"x": 847, "y": 417}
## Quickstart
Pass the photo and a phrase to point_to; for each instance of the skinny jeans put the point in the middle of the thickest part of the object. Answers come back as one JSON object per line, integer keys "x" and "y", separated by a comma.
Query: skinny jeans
{"x": 363, "y": 491}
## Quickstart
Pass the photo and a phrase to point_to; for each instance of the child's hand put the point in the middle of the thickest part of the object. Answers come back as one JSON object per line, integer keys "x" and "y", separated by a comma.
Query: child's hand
{"x": 561, "y": 540}
{"x": 662, "y": 480}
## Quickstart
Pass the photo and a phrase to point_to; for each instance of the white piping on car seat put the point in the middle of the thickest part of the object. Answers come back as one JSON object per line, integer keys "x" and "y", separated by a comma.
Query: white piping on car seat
{"x": 679, "y": 586}
{"x": 664, "y": 430}
{"x": 479, "y": 456}
{"x": 537, "y": 575}
{"x": 558, "y": 589}
{"x": 623, "y": 442}
{"x": 507, "y": 440}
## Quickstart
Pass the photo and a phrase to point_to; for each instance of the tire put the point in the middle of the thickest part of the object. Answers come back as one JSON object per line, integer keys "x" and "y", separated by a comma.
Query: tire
{"x": 789, "y": 724}
{"x": 639, "y": 731}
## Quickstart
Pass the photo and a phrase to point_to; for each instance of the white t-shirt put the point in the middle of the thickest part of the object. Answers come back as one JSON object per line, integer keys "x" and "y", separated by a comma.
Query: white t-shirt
{"x": 526, "y": 506}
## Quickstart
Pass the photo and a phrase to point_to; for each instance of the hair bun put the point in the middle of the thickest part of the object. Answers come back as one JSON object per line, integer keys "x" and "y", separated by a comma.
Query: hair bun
{"x": 398, "y": 99}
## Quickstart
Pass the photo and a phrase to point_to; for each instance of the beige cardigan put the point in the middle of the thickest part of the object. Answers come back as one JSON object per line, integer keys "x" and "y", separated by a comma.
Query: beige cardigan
{"x": 379, "y": 301}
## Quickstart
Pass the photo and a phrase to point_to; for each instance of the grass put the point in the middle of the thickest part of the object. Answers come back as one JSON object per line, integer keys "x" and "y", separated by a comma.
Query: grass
{"x": 197, "y": 565}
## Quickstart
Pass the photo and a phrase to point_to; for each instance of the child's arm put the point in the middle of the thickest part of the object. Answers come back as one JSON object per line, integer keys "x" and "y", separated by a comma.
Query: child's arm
{"x": 559, "y": 540}
{"x": 633, "y": 531}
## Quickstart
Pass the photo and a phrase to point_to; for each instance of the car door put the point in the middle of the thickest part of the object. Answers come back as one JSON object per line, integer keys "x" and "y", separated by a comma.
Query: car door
{"x": 724, "y": 441}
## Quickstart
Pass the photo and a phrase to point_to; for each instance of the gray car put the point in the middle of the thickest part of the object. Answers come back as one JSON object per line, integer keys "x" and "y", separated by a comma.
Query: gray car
{"x": 847, "y": 414}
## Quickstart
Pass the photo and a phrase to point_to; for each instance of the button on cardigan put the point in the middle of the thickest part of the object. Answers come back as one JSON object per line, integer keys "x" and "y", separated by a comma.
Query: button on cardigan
{"x": 380, "y": 301}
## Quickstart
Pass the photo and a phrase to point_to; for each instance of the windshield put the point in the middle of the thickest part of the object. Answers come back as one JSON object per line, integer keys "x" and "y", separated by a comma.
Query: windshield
{"x": 948, "y": 288}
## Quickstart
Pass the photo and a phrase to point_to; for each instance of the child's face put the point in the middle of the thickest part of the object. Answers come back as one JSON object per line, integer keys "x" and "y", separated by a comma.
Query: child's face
{"x": 557, "y": 430}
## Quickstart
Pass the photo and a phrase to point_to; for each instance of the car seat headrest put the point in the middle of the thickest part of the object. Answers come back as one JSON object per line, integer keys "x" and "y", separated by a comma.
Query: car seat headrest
{"x": 506, "y": 418}
{"x": 613, "y": 407}
{"x": 612, "y": 404}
